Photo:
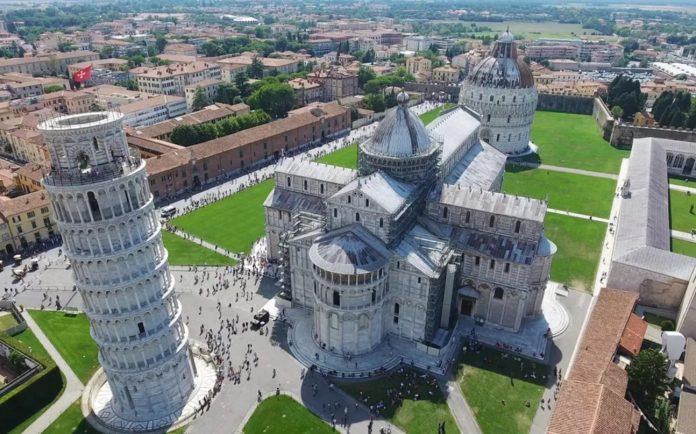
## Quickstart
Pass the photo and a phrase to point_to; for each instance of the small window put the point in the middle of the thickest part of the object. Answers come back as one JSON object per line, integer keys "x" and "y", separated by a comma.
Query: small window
{"x": 507, "y": 267}
{"x": 335, "y": 212}
{"x": 381, "y": 222}
{"x": 95, "y": 143}
{"x": 289, "y": 182}
{"x": 367, "y": 203}
{"x": 336, "y": 298}
{"x": 321, "y": 188}
{"x": 141, "y": 328}
{"x": 398, "y": 265}
{"x": 518, "y": 226}
{"x": 497, "y": 137}
{"x": 468, "y": 217}
{"x": 508, "y": 119}
{"x": 348, "y": 199}
{"x": 396, "y": 308}
{"x": 304, "y": 184}
{"x": 491, "y": 98}
{"x": 498, "y": 294}
{"x": 477, "y": 261}
{"x": 491, "y": 265}
{"x": 491, "y": 221}
{"x": 419, "y": 280}
{"x": 445, "y": 212}
{"x": 488, "y": 118}
{"x": 357, "y": 216}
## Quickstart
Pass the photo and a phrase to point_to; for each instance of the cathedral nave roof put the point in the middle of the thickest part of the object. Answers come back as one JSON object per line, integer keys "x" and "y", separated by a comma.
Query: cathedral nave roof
{"x": 423, "y": 250}
{"x": 383, "y": 190}
{"x": 495, "y": 203}
{"x": 480, "y": 167}
{"x": 349, "y": 250}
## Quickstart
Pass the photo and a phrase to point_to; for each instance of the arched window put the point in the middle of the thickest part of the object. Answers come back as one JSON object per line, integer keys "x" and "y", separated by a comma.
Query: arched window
{"x": 367, "y": 203}
{"x": 445, "y": 212}
{"x": 491, "y": 98}
{"x": 518, "y": 225}
{"x": 381, "y": 222}
{"x": 488, "y": 118}
{"x": 480, "y": 96}
{"x": 508, "y": 119}
{"x": 497, "y": 137}
{"x": 348, "y": 199}
{"x": 498, "y": 293}
{"x": 289, "y": 181}
{"x": 514, "y": 99}
{"x": 357, "y": 216}
{"x": 670, "y": 158}
{"x": 468, "y": 217}
{"x": 95, "y": 143}
{"x": 336, "y": 298}
{"x": 491, "y": 264}
{"x": 679, "y": 161}
{"x": 321, "y": 188}
{"x": 304, "y": 184}
{"x": 335, "y": 212}
{"x": 491, "y": 221}
{"x": 374, "y": 295}
{"x": 396, "y": 308}
{"x": 93, "y": 205}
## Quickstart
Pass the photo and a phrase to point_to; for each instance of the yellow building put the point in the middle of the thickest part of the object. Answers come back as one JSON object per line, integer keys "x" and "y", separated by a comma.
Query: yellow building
{"x": 420, "y": 67}
{"x": 446, "y": 74}
{"x": 25, "y": 221}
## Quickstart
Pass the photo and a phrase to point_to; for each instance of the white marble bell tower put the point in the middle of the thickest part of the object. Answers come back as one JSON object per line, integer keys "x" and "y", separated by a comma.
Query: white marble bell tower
{"x": 111, "y": 234}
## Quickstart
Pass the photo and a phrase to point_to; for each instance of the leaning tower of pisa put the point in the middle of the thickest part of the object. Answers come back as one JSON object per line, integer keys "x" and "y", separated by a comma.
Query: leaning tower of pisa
{"x": 111, "y": 235}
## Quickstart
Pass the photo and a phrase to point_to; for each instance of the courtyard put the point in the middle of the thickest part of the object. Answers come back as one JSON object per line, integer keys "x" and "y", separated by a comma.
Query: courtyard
{"x": 682, "y": 211}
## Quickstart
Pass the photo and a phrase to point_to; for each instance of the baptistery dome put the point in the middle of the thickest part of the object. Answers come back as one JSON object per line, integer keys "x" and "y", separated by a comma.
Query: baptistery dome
{"x": 501, "y": 89}
{"x": 400, "y": 146}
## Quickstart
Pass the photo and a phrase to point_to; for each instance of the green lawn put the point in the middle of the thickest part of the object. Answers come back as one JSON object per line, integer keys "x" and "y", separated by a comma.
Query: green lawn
{"x": 6, "y": 321}
{"x": 283, "y": 415}
{"x": 572, "y": 140}
{"x": 414, "y": 416}
{"x": 344, "y": 157}
{"x": 71, "y": 421}
{"x": 185, "y": 252}
{"x": 684, "y": 247}
{"x": 579, "y": 245}
{"x": 682, "y": 211}
{"x": 565, "y": 191}
{"x": 431, "y": 115}
{"x": 70, "y": 335}
{"x": 536, "y": 30}
{"x": 498, "y": 392}
{"x": 687, "y": 182}
{"x": 233, "y": 223}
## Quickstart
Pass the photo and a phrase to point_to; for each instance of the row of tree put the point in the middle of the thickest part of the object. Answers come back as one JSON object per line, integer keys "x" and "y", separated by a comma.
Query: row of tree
{"x": 675, "y": 109}
{"x": 624, "y": 93}
{"x": 187, "y": 135}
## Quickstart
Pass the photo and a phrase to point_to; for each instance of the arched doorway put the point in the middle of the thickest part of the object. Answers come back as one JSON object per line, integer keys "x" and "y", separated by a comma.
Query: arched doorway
{"x": 466, "y": 306}
{"x": 689, "y": 166}
{"x": 9, "y": 249}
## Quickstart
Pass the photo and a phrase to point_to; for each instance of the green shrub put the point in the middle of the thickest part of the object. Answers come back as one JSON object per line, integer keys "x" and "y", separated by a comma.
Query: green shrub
{"x": 667, "y": 325}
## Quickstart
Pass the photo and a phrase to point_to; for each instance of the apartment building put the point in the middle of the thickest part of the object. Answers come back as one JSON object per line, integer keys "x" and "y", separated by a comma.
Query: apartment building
{"x": 307, "y": 90}
{"x": 283, "y": 66}
{"x": 420, "y": 67}
{"x": 337, "y": 83}
{"x": 446, "y": 74}
{"x": 552, "y": 51}
{"x": 208, "y": 87}
{"x": 46, "y": 63}
{"x": 173, "y": 79}
{"x": 152, "y": 110}
{"x": 24, "y": 221}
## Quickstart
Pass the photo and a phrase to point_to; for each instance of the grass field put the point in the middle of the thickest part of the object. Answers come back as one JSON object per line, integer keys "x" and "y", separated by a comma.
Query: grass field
{"x": 71, "y": 421}
{"x": 497, "y": 391}
{"x": 283, "y": 415}
{"x": 233, "y": 223}
{"x": 579, "y": 245}
{"x": 565, "y": 191}
{"x": 344, "y": 157}
{"x": 431, "y": 115}
{"x": 571, "y": 140}
{"x": 185, "y": 252}
{"x": 534, "y": 30}
{"x": 70, "y": 335}
{"x": 414, "y": 416}
{"x": 682, "y": 211}
{"x": 6, "y": 321}
{"x": 684, "y": 247}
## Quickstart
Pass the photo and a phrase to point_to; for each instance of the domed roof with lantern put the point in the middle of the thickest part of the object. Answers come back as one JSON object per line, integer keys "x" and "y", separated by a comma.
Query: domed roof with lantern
{"x": 503, "y": 68}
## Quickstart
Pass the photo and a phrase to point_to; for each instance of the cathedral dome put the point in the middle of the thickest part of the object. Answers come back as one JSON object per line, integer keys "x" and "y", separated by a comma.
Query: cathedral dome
{"x": 400, "y": 134}
{"x": 502, "y": 68}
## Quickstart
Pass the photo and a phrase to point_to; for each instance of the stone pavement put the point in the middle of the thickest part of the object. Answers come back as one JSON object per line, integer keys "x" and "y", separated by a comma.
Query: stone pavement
{"x": 73, "y": 385}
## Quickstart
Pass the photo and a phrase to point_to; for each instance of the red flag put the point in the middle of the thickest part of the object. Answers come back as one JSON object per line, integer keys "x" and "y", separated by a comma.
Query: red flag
{"x": 83, "y": 74}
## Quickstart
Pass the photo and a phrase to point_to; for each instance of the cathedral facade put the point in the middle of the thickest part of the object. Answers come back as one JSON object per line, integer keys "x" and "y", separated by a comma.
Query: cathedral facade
{"x": 501, "y": 89}
{"x": 417, "y": 236}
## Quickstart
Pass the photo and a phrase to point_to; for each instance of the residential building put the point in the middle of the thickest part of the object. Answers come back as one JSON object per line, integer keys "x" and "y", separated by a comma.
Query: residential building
{"x": 46, "y": 63}
{"x": 173, "y": 79}
{"x": 283, "y": 66}
{"x": 419, "y": 67}
{"x": 559, "y": 51}
{"x": 337, "y": 82}
{"x": 24, "y": 221}
{"x": 152, "y": 110}
{"x": 307, "y": 90}
{"x": 180, "y": 48}
{"x": 27, "y": 178}
{"x": 417, "y": 43}
{"x": 446, "y": 74}
{"x": 208, "y": 87}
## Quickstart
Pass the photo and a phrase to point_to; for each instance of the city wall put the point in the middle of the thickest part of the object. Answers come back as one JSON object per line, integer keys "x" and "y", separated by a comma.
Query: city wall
{"x": 565, "y": 103}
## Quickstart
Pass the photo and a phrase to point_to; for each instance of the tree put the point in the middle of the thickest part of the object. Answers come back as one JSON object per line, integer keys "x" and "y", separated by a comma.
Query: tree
{"x": 625, "y": 92}
{"x": 647, "y": 378}
{"x": 200, "y": 100}
{"x": 617, "y": 112}
{"x": 663, "y": 416}
{"x": 369, "y": 56}
{"x": 365, "y": 74}
{"x": 375, "y": 102}
{"x": 255, "y": 70}
{"x": 184, "y": 135}
{"x": 53, "y": 88}
{"x": 241, "y": 82}
{"x": 276, "y": 99}
{"x": 128, "y": 84}
{"x": 160, "y": 43}
{"x": 226, "y": 93}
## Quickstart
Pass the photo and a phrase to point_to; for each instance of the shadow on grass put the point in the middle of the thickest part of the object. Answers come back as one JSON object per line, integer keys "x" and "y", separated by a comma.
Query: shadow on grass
{"x": 505, "y": 364}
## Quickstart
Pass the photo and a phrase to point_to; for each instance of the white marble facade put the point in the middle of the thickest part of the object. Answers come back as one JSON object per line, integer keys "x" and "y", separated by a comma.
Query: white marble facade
{"x": 104, "y": 210}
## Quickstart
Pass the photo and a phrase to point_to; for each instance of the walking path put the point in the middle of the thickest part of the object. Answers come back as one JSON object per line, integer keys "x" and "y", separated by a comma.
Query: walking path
{"x": 73, "y": 385}
{"x": 682, "y": 188}
{"x": 203, "y": 243}
{"x": 466, "y": 421}
{"x": 565, "y": 169}
{"x": 685, "y": 236}
{"x": 577, "y": 215}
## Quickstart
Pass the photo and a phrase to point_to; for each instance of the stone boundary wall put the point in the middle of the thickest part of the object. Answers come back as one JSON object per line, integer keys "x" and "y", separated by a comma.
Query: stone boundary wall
{"x": 427, "y": 89}
{"x": 622, "y": 134}
{"x": 603, "y": 118}
{"x": 33, "y": 365}
{"x": 565, "y": 103}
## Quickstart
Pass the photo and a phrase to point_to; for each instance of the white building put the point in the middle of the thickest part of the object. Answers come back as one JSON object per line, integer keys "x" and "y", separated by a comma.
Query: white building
{"x": 173, "y": 79}
{"x": 152, "y": 110}
{"x": 417, "y": 43}
{"x": 501, "y": 89}
{"x": 111, "y": 234}
{"x": 208, "y": 87}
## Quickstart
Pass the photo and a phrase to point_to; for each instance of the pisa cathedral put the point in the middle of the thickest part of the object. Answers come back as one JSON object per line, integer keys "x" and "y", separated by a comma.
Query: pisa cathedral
{"x": 417, "y": 236}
